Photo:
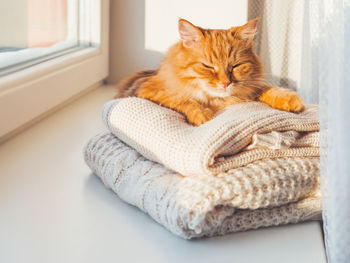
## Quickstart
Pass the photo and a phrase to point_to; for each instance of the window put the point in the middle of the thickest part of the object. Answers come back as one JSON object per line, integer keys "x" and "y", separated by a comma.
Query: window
{"x": 36, "y": 30}
{"x": 49, "y": 52}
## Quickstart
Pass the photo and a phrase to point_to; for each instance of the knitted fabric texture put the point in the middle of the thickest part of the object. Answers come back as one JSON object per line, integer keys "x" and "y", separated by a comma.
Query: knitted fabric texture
{"x": 262, "y": 193}
{"x": 239, "y": 135}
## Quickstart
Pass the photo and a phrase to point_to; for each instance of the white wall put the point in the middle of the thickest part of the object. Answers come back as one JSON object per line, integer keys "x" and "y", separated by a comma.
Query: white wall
{"x": 142, "y": 30}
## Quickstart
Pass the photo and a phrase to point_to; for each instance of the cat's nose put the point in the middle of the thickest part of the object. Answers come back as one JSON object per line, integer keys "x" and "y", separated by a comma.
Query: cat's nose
{"x": 226, "y": 84}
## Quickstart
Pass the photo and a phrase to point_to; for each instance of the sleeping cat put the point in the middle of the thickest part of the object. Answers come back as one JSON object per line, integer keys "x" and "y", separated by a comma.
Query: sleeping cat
{"x": 208, "y": 70}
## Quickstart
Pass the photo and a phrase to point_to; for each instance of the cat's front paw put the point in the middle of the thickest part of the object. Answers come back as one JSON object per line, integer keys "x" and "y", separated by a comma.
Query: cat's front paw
{"x": 199, "y": 117}
{"x": 283, "y": 99}
{"x": 294, "y": 103}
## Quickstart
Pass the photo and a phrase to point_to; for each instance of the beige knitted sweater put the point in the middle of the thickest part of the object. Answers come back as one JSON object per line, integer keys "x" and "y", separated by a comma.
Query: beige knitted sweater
{"x": 242, "y": 134}
{"x": 263, "y": 193}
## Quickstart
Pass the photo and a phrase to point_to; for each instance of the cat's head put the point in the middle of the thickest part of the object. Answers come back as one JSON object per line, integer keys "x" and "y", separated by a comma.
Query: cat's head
{"x": 221, "y": 62}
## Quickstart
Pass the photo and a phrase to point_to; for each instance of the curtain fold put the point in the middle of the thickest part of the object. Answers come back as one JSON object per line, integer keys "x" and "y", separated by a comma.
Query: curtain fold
{"x": 279, "y": 39}
{"x": 305, "y": 45}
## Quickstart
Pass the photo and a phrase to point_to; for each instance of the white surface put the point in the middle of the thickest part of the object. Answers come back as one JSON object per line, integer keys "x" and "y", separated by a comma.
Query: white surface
{"x": 35, "y": 90}
{"x": 161, "y": 29}
{"x": 52, "y": 209}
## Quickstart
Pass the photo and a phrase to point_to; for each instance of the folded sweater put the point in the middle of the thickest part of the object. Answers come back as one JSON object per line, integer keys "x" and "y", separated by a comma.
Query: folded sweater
{"x": 239, "y": 135}
{"x": 261, "y": 193}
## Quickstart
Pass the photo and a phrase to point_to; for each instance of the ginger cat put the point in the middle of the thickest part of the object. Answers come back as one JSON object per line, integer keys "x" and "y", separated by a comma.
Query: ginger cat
{"x": 208, "y": 70}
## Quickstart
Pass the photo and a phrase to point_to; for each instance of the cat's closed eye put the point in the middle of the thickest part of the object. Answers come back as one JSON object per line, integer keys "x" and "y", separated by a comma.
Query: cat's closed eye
{"x": 235, "y": 66}
{"x": 207, "y": 66}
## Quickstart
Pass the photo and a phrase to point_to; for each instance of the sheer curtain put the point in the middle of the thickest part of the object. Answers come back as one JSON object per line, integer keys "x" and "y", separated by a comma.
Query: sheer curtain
{"x": 305, "y": 45}
{"x": 279, "y": 39}
{"x": 331, "y": 46}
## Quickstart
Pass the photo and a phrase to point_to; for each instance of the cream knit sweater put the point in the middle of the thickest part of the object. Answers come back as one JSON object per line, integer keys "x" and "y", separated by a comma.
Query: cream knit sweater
{"x": 243, "y": 133}
{"x": 263, "y": 193}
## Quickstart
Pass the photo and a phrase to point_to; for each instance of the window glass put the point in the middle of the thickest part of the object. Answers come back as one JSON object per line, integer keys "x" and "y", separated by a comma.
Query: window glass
{"x": 35, "y": 30}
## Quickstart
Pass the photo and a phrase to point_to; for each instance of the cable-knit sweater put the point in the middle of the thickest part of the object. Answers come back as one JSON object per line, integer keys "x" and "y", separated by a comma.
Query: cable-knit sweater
{"x": 263, "y": 193}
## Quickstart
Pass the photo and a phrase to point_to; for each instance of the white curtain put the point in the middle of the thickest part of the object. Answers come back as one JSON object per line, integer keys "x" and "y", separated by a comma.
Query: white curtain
{"x": 305, "y": 45}
{"x": 279, "y": 39}
{"x": 330, "y": 44}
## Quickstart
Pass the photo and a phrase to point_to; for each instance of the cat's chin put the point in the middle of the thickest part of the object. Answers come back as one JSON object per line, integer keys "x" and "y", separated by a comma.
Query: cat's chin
{"x": 216, "y": 92}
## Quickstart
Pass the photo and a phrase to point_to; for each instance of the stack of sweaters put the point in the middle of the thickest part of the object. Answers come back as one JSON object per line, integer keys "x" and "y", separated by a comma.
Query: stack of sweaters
{"x": 251, "y": 166}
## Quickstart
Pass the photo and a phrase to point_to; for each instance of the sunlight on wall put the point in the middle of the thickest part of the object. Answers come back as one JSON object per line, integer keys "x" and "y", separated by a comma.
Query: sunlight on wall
{"x": 161, "y": 18}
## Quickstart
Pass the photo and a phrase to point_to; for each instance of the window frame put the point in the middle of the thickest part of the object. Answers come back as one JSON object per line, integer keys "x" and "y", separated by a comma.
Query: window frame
{"x": 29, "y": 93}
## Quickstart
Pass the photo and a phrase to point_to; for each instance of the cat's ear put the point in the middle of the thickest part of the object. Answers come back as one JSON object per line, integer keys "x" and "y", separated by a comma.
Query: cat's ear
{"x": 249, "y": 30}
{"x": 189, "y": 33}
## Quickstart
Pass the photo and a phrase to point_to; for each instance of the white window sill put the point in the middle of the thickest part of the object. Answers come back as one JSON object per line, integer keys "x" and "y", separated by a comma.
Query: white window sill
{"x": 55, "y": 210}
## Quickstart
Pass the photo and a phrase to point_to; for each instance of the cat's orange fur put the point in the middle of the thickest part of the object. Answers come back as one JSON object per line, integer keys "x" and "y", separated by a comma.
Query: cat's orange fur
{"x": 209, "y": 70}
